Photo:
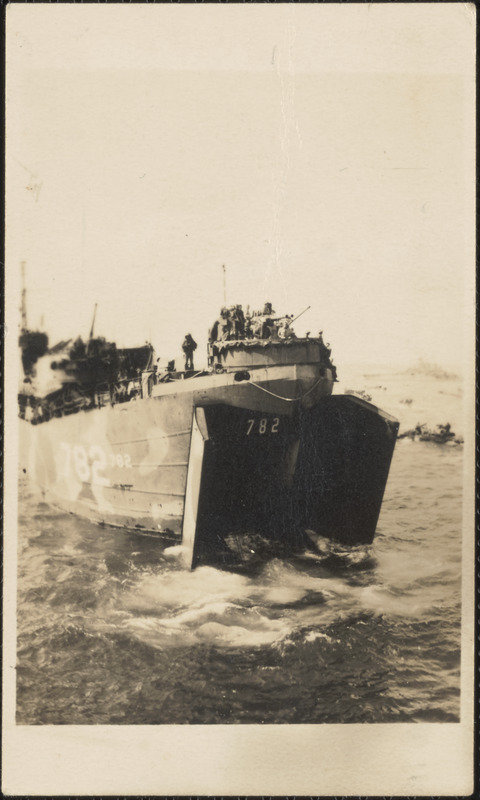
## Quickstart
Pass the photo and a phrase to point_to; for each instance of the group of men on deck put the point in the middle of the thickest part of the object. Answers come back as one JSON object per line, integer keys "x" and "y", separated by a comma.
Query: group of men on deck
{"x": 230, "y": 324}
{"x": 233, "y": 324}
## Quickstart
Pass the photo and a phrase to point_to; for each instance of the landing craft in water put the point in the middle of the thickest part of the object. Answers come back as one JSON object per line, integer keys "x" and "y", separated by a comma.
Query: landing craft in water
{"x": 252, "y": 456}
{"x": 442, "y": 434}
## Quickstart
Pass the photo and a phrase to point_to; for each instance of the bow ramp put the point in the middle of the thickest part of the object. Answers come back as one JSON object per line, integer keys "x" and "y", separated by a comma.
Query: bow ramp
{"x": 257, "y": 482}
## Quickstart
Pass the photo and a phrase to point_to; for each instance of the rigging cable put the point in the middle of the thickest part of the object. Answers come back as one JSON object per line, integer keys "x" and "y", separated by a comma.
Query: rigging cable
{"x": 287, "y": 399}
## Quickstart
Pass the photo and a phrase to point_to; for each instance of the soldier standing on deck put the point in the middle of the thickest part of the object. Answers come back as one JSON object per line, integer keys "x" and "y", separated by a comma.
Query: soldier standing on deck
{"x": 224, "y": 325}
{"x": 189, "y": 346}
{"x": 241, "y": 323}
{"x": 268, "y": 310}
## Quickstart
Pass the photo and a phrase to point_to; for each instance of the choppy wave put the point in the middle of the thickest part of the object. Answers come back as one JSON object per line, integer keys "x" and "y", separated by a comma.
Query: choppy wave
{"x": 111, "y": 629}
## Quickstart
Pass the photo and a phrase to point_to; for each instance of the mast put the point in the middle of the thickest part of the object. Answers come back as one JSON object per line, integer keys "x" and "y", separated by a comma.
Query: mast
{"x": 93, "y": 321}
{"x": 23, "y": 307}
{"x": 224, "y": 285}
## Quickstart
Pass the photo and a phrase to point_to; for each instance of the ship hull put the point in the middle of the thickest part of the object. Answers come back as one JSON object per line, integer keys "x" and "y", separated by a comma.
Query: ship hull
{"x": 126, "y": 465}
{"x": 204, "y": 459}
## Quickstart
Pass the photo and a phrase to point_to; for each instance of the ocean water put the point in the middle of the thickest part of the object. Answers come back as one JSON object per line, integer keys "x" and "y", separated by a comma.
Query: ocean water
{"x": 112, "y": 630}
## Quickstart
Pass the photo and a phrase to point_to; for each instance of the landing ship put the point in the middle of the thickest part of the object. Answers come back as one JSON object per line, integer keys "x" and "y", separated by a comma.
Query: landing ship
{"x": 251, "y": 457}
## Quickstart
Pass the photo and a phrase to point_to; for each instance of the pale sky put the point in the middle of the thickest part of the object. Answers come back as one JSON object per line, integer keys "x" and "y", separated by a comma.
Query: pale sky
{"x": 324, "y": 154}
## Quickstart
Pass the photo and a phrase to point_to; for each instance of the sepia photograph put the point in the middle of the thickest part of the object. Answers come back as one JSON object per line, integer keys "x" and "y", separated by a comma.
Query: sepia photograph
{"x": 239, "y": 420}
